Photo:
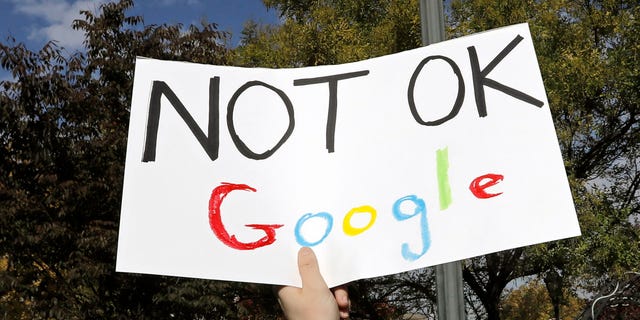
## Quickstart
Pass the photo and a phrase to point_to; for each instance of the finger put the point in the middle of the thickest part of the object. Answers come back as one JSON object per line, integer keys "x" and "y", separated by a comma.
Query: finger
{"x": 342, "y": 298}
{"x": 309, "y": 270}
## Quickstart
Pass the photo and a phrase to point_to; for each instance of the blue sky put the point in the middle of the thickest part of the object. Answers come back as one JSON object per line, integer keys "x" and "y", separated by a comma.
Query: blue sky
{"x": 35, "y": 22}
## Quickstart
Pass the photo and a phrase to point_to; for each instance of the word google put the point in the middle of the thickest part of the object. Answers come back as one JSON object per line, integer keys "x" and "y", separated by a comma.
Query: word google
{"x": 477, "y": 187}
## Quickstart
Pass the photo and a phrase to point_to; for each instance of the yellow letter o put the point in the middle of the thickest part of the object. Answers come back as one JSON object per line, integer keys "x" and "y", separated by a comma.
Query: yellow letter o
{"x": 353, "y": 231}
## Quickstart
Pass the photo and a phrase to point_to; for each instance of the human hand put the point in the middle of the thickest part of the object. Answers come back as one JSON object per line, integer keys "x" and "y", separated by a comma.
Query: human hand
{"x": 314, "y": 301}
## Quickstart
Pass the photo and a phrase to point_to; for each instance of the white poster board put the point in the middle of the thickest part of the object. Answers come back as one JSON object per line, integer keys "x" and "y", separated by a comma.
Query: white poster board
{"x": 385, "y": 165}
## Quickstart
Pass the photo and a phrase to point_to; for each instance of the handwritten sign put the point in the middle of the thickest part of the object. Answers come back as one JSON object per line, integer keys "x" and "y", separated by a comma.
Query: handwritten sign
{"x": 386, "y": 165}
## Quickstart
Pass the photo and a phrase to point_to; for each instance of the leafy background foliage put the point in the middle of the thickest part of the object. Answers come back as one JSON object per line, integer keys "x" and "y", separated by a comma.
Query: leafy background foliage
{"x": 63, "y": 140}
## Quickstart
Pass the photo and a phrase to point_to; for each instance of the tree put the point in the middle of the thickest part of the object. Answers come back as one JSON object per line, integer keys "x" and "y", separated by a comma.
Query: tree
{"x": 585, "y": 51}
{"x": 63, "y": 137}
{"x": 63, "y": 130}
{"x": 531, "y": 301}
{"x": 330, "y": 32}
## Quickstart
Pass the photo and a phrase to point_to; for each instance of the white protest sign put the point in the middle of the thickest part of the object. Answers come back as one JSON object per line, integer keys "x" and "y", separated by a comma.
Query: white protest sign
{"x": 381, "y": 166}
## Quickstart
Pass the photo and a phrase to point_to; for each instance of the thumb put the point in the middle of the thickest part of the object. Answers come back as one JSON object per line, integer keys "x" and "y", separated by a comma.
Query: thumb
{"x": 310, "y": 271}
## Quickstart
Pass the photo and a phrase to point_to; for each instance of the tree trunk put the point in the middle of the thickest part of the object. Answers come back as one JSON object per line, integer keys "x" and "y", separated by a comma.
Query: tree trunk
{"x": 554, "y": 283}
{"x": 493, "y": 309}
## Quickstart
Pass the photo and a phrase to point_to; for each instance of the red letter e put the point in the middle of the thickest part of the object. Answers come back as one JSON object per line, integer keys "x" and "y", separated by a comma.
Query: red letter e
{"x": 479, "y": 184}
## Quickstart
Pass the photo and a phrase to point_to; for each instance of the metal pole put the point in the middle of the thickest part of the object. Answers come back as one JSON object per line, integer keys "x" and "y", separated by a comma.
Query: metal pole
{"x": 449, "y": 289}
{"x": 448, "y": 275}
{"x": 432, "y": 21}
